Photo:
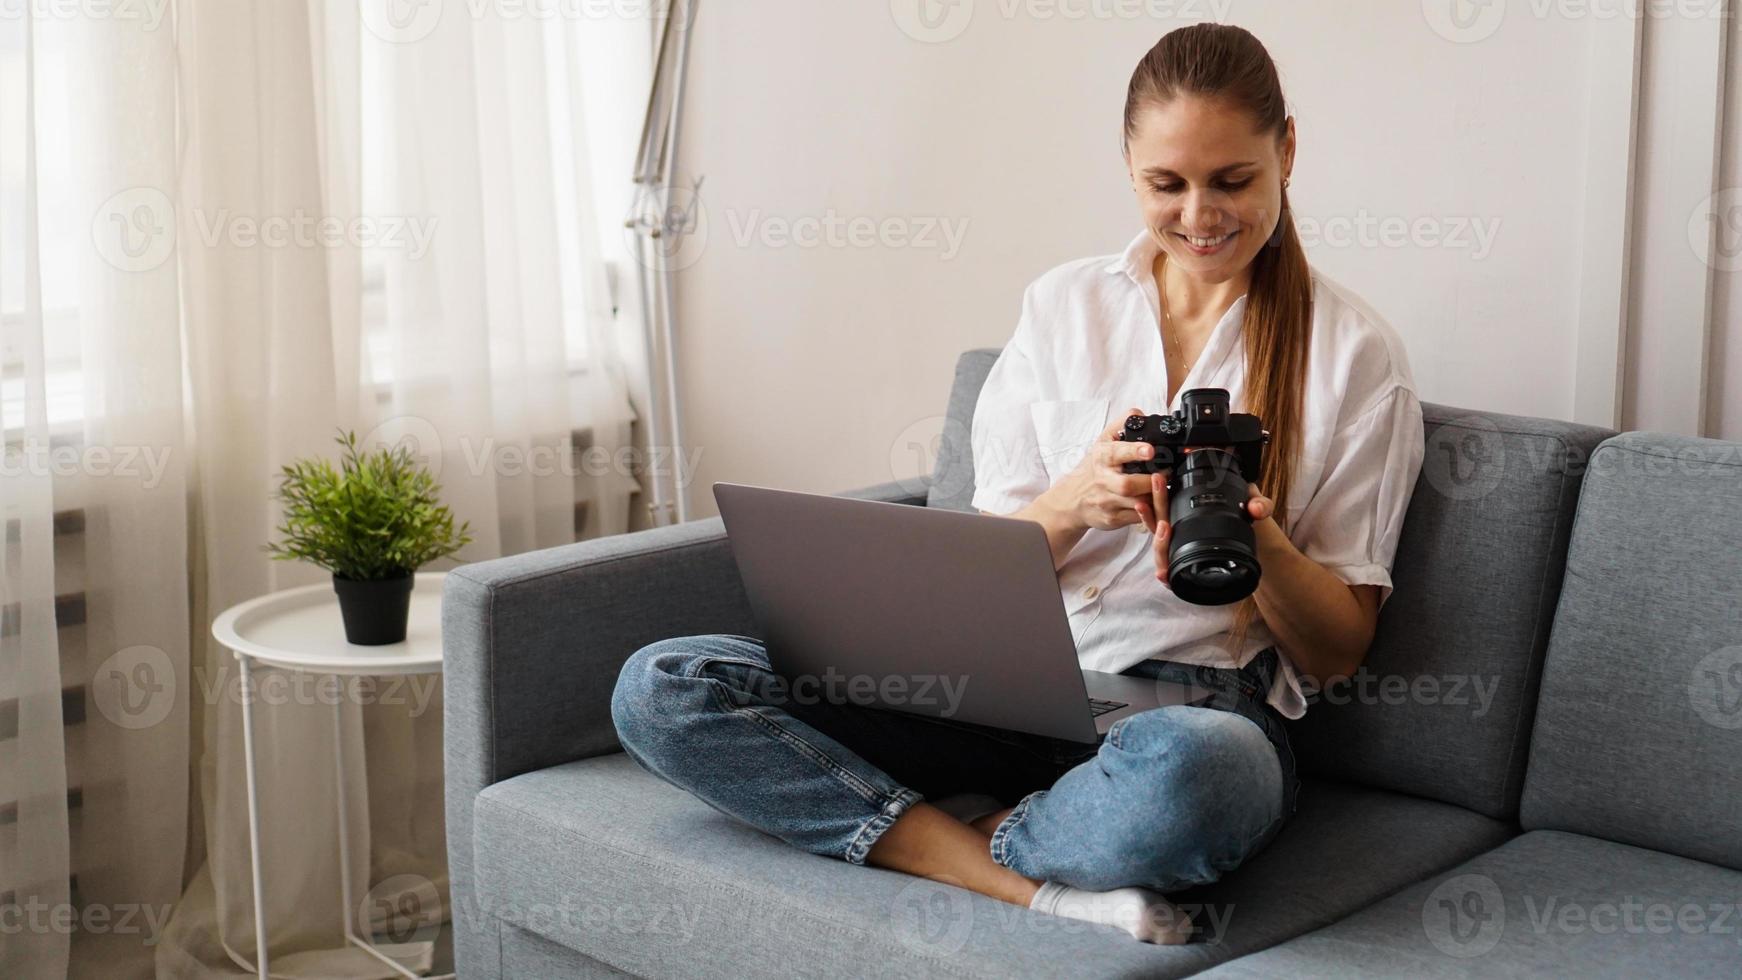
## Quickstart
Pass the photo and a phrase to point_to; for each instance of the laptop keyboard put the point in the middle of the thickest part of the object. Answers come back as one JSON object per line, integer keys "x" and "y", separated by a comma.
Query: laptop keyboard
{"x": 1098, "y": 707}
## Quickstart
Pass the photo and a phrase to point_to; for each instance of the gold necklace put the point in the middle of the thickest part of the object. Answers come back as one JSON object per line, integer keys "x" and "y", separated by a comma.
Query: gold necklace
{"x": 1168, "y": 315}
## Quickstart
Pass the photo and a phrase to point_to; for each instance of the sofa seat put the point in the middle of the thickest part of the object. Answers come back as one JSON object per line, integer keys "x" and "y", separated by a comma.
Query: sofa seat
{"x": 598, "y": 855}
{"x": 1547, "y": 903}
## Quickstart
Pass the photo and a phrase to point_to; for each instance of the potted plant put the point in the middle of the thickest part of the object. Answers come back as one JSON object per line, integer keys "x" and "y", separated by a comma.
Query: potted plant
{"x": 372, "y": 523}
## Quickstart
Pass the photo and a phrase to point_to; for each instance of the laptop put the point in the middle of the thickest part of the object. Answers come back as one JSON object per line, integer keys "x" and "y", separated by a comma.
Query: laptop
{"x": 928, "y": 611}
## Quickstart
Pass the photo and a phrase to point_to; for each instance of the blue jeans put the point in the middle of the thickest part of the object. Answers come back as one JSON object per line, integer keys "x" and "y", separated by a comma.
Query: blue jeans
{"x": 1169, "y": 798}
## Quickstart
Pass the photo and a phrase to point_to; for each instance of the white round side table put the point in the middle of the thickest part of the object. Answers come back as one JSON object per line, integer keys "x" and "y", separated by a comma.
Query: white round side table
{"x": 300, "y": 630}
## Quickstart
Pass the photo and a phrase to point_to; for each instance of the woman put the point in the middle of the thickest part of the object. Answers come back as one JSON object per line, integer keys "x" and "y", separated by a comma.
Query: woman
{"x": 1215, "y": 293}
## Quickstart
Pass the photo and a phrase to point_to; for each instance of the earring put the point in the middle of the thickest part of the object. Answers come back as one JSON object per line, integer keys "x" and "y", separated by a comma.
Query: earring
{"x": 1286, "y": 181}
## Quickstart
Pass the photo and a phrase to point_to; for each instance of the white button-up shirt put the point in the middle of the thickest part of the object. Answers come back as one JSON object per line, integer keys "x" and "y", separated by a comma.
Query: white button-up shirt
{"x": 1088, "y": 346}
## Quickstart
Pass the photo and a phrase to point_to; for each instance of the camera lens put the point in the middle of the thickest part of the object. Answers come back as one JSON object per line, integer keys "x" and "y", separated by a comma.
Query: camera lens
{"x": 1213, "y": 557}
{"x": 1215, "y": 580}
{"x": 1210, "y": 573}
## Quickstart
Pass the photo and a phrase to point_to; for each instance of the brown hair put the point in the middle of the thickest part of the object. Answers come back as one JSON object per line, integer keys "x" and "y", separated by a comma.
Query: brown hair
{"x": 1227, "y": 63}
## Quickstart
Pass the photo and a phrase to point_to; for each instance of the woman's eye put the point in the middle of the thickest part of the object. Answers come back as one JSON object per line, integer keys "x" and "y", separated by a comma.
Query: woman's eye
{"x": 1227, "y": 186}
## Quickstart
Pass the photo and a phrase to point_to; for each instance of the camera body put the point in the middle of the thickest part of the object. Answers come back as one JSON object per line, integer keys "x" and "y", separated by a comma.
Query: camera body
{"x": 1203, "y": 421}
{"x": 1209, "y": 454}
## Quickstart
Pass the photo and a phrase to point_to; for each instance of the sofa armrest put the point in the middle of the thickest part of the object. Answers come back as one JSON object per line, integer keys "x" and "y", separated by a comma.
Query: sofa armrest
{"x": 532, "y": 645}
{"x": 533, "y": 642}
{"x": 909, "y": 491}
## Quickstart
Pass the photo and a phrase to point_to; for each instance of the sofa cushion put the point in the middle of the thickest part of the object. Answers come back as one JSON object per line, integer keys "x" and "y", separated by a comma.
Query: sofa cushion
{"x": 1443, "y": 705}
{"x": 1346, "y": 847}
{"x": 1545, "y": 904}
{"x": 1639, "y": 730}
{"x": 604, "y": 858}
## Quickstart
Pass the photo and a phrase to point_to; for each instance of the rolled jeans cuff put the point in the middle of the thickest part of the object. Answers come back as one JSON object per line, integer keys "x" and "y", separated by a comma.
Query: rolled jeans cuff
{"x": 868, "y": 835}
{"x": 1001, "y": 836}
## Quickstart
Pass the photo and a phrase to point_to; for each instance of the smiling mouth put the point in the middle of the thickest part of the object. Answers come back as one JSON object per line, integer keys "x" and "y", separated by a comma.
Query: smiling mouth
{"x": 1205, "y": 244}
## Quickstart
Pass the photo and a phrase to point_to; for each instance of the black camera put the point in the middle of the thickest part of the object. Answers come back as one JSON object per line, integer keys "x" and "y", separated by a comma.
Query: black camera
{"x": 1207, "y": 453}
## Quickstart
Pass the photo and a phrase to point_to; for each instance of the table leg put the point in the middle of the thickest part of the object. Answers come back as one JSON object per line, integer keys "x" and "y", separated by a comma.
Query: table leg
{"x": 260, "y": 951}
{"x": 354, "y": 936}
{"x": 345, "y": 908}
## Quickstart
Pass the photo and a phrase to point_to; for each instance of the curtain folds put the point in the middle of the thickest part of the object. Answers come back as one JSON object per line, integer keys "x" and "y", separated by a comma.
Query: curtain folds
{"x": 225, "y": 236}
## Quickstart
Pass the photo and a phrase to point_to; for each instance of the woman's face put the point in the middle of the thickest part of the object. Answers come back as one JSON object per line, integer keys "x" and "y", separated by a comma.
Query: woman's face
{"x": 1209, "y": 185}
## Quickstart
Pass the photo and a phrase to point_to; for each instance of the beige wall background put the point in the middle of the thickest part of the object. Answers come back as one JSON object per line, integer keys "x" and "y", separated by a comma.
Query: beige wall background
{"x": 883, "y": 177}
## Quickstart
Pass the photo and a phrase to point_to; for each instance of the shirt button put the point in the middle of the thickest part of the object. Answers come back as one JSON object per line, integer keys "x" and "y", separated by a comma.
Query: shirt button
{"x": 1091, "y": 591}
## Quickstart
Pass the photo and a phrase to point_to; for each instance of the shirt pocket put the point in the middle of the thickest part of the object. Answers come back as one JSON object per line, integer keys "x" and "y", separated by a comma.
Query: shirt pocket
{"x": 1064, "y": 431}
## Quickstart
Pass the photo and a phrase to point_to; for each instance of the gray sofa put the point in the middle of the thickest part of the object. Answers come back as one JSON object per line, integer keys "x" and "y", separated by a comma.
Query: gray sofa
{"x": 1539, "y": 771}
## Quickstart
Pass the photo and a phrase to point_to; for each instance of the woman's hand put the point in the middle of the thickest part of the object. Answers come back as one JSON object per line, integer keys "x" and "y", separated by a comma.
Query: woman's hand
{"x": 1258, "y": 507}
{"x": 1098, "y": 493}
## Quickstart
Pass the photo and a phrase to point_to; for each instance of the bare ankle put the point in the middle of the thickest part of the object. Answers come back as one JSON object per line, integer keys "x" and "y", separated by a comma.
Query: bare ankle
{"x": 929, "y": 843}
{"x": 989, "y": 823}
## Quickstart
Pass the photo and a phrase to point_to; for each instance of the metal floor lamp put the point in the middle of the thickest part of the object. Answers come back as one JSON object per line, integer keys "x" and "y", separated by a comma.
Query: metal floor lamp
{"x": 660, "y": 227}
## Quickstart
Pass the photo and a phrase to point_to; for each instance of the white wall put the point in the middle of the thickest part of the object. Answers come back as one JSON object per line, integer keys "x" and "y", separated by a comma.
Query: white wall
{"x": 1724, "y": 397}
{"x": 1678, "y": 256}
{"x": 818, "y": 367}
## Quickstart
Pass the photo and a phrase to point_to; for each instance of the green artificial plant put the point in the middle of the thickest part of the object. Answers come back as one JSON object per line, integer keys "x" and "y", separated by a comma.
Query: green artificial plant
{"x": 375, "y": 517}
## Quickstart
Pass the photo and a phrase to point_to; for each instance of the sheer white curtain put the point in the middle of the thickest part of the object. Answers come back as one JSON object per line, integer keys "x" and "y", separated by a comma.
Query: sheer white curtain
{"x": 463, "y": 308}
{"x": 307, "y": 216}
{"x": 94, "y": 648}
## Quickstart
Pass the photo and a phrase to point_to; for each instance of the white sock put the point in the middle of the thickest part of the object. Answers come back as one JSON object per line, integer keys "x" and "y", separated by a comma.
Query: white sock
{"x": 1146, "y": 915}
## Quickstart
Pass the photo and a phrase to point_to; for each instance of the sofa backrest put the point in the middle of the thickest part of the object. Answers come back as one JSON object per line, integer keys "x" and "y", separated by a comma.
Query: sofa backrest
{"x": 1638, "y": 734}
{"x": 1443, "y": 706}
{"x": 952, "y": 484}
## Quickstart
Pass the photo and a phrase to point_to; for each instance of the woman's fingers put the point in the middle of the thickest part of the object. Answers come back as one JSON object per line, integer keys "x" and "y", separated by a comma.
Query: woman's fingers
{"x": 1158, "y": 547}
{"x": 1117, "y": 454}
{"x": 1135, "y": 485}
{"x": 1146, "y": 514}
{"x": 1126, "y": 495}
{"x": 1120, "y": 498}
{"x": 1162, "y": 529}
{"x": 1123, "y": 510}
{"x": 1258, "y": 506}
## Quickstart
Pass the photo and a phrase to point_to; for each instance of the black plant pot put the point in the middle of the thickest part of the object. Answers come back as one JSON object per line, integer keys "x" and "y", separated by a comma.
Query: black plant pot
{"x": 375, "y": 611}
